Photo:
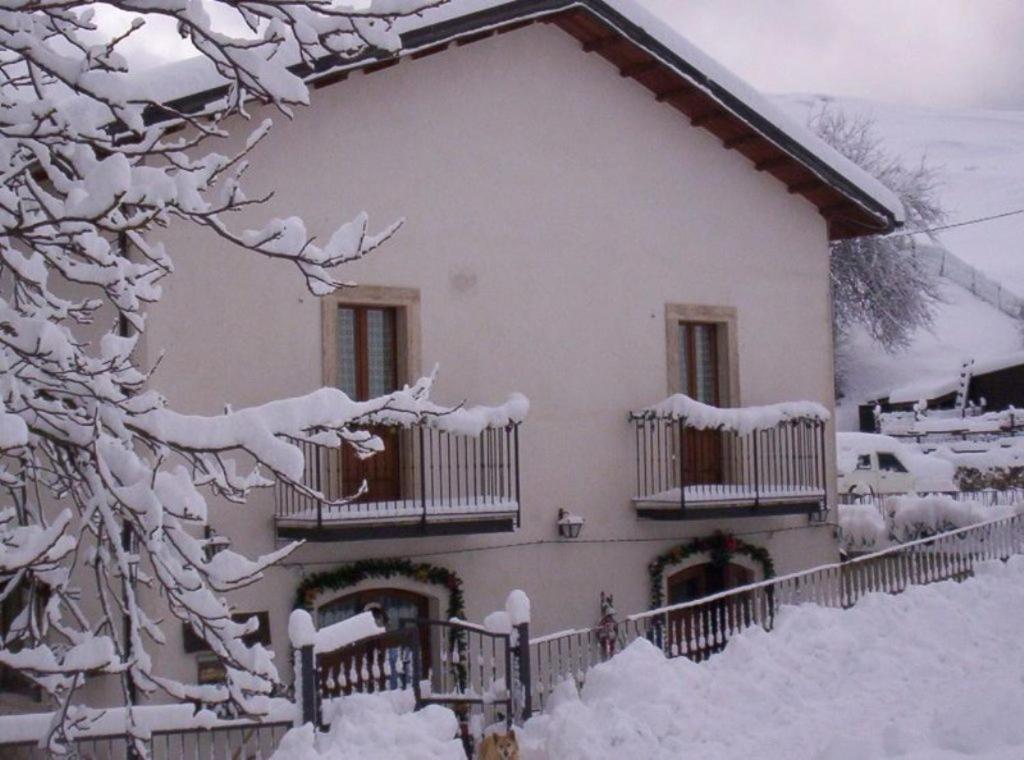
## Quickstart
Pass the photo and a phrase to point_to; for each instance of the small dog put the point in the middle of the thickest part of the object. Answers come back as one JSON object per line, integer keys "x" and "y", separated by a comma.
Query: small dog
{"x": 499, "y": 747}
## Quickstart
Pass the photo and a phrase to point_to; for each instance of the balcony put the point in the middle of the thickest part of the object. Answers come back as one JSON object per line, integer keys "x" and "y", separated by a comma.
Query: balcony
{"x": 698, "y": 462}
{"x": 426, "y": 482}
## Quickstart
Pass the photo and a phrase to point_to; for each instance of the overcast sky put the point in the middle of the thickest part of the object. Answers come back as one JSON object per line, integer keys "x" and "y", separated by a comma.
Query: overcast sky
{"x": 957, "y": 53}
{"x": 927, "y": 52}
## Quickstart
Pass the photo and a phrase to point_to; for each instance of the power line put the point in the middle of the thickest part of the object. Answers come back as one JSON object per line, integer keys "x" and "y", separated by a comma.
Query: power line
{"x": 546, "y": 541}
{"x": 953, "y": 225}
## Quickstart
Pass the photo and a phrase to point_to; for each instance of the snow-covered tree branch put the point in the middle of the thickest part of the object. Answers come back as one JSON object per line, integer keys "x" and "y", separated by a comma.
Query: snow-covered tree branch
{"x": 101, "y": 479}
{"x": 878, "y": 283}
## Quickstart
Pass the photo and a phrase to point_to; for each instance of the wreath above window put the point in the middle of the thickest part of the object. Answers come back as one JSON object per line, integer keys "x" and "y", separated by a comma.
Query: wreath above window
{"x": 720, "y": 548}
{"x": 349, "y": 575}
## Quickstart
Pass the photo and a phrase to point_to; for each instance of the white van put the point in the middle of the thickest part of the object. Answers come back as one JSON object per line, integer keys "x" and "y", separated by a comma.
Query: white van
{"x": 870, "y": 464}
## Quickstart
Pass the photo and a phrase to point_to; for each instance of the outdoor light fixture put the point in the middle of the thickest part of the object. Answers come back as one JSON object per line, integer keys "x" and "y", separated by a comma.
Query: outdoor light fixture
{"x": 569, "y": 525}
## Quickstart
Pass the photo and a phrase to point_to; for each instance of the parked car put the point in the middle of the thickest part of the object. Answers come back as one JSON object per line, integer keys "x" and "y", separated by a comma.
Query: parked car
{"x": 868, "y": 464}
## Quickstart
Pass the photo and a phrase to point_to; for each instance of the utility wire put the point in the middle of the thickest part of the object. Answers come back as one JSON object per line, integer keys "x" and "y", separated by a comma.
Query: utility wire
{"x": 546, "y": 541}
{"x": 953, "y": 225}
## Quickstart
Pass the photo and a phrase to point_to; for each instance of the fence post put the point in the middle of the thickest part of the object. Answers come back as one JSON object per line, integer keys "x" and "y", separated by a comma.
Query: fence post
{"x": 308, "y": 686}
{"x": 423, "y": 476}
{"x": 682, "y": 463}
{"x": 523, "y": 661}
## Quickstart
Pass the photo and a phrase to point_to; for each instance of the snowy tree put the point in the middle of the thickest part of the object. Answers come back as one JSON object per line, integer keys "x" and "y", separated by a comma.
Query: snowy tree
{"x": 877, "y": 281}
{"x": 102, "y": 479}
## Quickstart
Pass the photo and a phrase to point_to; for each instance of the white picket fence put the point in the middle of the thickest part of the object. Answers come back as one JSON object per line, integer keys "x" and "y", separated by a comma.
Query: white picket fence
{"x": 700, "y": 628}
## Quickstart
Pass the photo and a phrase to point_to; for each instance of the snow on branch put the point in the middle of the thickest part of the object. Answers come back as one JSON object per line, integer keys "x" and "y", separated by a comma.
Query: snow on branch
{"x": 104, "y": 484}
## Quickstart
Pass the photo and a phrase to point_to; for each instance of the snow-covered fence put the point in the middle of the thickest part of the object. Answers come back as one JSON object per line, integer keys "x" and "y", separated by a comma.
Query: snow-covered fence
{"x": 699, "y": 628}
{"x": 175, "y": 731}
{"x": 480, "y": 671}
{"x": 947, "y": 425}
{"x": 945, "y": 264}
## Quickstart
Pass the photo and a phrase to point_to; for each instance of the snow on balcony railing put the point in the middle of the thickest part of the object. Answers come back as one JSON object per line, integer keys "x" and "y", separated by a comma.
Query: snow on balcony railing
{"x": 689, "y": 453}
{"x": 450, "y": 466}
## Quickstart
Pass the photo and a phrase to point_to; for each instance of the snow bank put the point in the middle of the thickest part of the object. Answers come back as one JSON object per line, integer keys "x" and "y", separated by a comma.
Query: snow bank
{"x": 864, "y": 527}
{"x": 916, "y": 676}
{"x": 741, "y": 420}
{"x": 377, "y": 727}
{"x": 912, "y": 517}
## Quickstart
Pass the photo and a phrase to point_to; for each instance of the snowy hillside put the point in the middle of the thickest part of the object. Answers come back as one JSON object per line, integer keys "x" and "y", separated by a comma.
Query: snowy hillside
{"x": 980, "y": 157}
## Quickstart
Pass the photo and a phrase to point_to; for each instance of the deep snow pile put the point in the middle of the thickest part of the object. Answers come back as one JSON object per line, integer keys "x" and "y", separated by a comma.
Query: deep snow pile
{"x": 863, "y": 527}
{"x": 932, "y": 674}
{"x": 377, "y": 727}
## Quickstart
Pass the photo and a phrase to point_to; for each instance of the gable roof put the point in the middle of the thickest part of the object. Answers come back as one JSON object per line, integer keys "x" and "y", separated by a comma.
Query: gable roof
{"x": 645, "y": 49}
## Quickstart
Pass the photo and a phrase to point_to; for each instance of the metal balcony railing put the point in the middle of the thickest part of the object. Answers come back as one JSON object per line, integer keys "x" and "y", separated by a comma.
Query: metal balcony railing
{"x": 424, "y": 474}
{"x": 688, "y": 463}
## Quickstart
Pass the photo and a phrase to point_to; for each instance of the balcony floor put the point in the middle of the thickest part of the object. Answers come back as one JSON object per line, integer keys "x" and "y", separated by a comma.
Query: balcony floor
{"x": 362, "y": 521}
{"x": 723, "y": 501}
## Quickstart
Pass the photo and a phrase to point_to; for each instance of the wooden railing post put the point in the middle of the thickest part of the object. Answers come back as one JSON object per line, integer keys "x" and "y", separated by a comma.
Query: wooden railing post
{"x": 757, "y": 475}
{"x": 523, "y": 662}
{"x": 308, "y": 686}
{"x": 519, "y": 503}
{"x": 423, "y": 475}
{"x": 682, "y": 463}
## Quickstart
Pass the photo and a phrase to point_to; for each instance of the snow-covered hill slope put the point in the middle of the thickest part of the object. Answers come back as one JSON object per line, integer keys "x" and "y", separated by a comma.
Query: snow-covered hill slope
{"x": 979, "y": 156}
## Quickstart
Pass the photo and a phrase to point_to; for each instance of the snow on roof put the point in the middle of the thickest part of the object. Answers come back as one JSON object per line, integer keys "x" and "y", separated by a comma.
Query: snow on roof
{"x": 935, "y": 387}
{"x": 190, "y": 77}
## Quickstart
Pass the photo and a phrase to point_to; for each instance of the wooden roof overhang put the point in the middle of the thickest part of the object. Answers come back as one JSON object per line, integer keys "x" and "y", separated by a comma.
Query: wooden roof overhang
{"x": 601, "y": 30}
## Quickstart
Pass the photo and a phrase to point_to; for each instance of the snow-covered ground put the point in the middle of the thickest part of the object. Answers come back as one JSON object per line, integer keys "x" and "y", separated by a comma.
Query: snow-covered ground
{"x": 980, "y": 159}
{"x": 935, "y": 673}
{"x": 932, "y": 674}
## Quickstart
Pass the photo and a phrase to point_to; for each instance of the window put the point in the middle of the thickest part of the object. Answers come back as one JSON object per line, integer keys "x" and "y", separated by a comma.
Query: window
{"x": 864, "y": 462}
{"x": 889, "y": 463}
{"x": 371, "y": 347}
{"x": 13, "y": 619}
{"x": 371, "y": 340}
{"x": 698, "y": 361}
{"x": 703, "y": 353}
{"x": 366, "y": 351}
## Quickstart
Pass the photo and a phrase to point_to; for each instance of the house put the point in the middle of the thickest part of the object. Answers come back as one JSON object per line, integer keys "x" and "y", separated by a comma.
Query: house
{"x": 597, "y": 215}
{"x": 993, "y": 385}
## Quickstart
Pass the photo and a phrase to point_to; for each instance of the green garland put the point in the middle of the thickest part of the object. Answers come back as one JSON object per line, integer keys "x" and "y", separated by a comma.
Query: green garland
{"x": 351, "y": 574}
{"x": 721, "y": 547}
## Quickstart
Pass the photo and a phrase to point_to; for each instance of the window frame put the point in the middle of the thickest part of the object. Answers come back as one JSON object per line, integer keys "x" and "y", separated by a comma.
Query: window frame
{"x": 406, "y": 305}
{"x": 724, "y": 319}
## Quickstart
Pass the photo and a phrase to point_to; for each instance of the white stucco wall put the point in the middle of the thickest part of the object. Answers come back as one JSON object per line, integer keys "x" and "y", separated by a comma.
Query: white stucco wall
{"x": 552, "y": 210}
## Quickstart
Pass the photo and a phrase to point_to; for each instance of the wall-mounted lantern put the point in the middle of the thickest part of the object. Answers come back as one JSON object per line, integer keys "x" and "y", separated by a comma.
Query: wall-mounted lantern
{"x": 569, "y": 525}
